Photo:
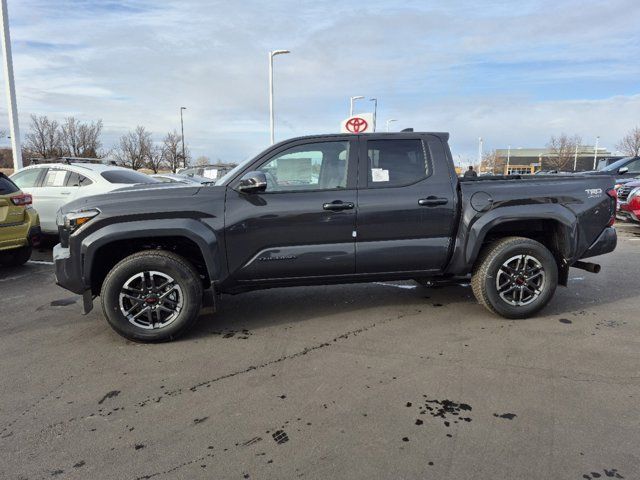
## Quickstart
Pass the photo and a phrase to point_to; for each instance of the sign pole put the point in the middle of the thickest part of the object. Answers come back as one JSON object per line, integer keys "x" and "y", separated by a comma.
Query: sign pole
{"x": 14, "y": 127}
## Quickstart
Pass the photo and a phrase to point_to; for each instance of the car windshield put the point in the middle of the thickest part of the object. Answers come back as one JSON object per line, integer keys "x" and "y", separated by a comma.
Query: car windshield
{"x": 128, "y": 177}
{"x": 615, "y": 165}
{"x": 232, "y": 173}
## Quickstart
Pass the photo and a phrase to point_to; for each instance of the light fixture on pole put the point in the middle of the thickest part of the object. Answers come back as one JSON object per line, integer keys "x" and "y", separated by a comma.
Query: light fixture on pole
{"x": 595, "y": 152}
{"x": 272, "y": 54}
{"x": 184, "y": 156}
{"x": 389, "y": 121}
{"x": 375, "y": 111}
{"x": 14, "y": 127}
{"x": 353, "y": 99}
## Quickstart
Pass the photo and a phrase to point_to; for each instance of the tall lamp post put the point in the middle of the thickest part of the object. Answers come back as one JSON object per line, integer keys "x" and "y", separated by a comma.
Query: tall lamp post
{"x": 389, "y": 121}
{"x": 480, "y": 151}
{"x": 11, "y": 89}
{"x": 595, "y": 153}
{"x": 353, "y": 99}
{"x": 375, "y": 111}
{"x": 272, "y": 54}
{"x": 184, "y": 155}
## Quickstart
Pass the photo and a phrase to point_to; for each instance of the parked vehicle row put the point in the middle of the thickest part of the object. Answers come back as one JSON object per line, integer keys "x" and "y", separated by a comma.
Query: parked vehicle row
{"x": 629, "y": 201}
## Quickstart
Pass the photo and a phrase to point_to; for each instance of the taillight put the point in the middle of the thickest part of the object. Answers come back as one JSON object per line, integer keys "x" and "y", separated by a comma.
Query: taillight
{"x": 613, "y": 193}
{"x": 24, "y": 199}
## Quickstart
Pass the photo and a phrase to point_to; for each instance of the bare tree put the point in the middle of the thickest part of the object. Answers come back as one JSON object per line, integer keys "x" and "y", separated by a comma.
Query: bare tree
{"x": 630, "y": 143}
{"x": 134, "y": 148}
{"x": 561, "y": 151}
{"x": 172, "y": 148}
{"x": 81, "y": 139}
{"x": 44, "y": 139}
{"x": 155, "y": 158}
{"x": 202, "y": 161}
{"x": 491, "y": 161}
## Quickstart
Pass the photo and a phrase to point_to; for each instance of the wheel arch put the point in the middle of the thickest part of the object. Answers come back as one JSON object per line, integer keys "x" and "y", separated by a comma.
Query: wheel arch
{"x": 104, "y": 248}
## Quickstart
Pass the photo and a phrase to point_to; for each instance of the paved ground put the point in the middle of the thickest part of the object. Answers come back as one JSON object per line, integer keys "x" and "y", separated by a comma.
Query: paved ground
{"x": 376, "y": 381}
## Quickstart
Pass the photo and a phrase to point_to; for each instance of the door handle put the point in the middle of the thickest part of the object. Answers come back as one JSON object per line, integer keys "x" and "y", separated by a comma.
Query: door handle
{"x": 338, "y": 205}
{"x": 432, "y": 201}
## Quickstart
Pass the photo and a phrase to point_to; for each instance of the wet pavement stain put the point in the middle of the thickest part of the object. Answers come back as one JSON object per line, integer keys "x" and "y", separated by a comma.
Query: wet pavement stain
{"x": 446, "y": 409}
{"x": 609, "y": 473}
{"x": 63, "y": 302}
{"x": 196, "y": 421}
{"x": 280, "y": 437}
{"x": 565, "y": 320}
{"x": 111, "y": 394}
{"x": 239, "y": 334}
{"x": 55, "y": 473}
{"x": 139, "y": 446}
{"x": 508, "y": 416}
{"x": 81, "y": 463}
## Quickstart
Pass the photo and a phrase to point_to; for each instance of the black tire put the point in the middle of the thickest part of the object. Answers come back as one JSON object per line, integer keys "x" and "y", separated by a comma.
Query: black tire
{"x": 186, "y": 299}
{"x": 16, "y": 257}
{"x": 492, "y": 267}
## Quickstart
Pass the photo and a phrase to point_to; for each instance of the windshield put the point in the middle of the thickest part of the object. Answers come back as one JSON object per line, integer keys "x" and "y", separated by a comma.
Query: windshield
{"x": 231, "y": 173}
{"x": 615, "y": 165}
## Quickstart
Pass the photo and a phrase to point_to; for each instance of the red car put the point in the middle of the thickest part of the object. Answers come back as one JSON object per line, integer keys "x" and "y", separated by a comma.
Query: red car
{"x": 629, "y": 201}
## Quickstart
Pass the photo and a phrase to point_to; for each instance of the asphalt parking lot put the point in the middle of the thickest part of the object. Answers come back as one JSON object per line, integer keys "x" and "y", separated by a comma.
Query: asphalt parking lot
{"x": 387, "y": 380}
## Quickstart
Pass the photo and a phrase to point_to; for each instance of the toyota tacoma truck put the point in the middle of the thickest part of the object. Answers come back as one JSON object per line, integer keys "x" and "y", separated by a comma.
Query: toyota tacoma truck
{"x": 331, "y": 209}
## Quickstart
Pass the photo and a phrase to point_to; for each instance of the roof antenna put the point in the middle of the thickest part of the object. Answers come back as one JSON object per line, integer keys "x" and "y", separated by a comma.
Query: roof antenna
{"x": 407, "y": 130}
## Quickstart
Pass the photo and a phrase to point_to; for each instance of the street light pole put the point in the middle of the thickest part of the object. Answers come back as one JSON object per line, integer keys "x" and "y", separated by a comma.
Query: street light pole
{"x": 479, "y": 150}
{"x": 14, "y": 127}
{"x": 595, "y": 152}
{"x": 357, "y": 97}
{"x": 508, "y": 159}
{"x": 272, "y": 54}
{"x": 389, "y": 121}
{"x": 575, "y": 158}
{"x": 184, "y": 156}
{"x": 375, "y": 111}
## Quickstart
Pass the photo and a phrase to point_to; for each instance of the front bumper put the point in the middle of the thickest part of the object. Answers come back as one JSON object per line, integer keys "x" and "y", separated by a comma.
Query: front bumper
{"x": 68, "y": 270}
{"x": 630, "y": 211}
{"x": 605, "y": 243}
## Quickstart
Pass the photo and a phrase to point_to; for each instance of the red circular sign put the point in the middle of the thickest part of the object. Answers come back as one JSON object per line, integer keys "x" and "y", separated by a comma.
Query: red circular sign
{"x": 357, "y": 125}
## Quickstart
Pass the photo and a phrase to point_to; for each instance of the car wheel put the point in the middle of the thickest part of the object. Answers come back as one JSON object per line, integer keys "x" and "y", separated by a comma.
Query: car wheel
{"x": 15, "y": 258}
{"x": 152, "y": 296}
{"x": 515, "y": 277}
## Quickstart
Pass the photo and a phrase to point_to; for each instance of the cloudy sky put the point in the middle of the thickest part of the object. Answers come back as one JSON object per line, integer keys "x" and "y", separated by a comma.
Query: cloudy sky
{"x": 513, "y": 72}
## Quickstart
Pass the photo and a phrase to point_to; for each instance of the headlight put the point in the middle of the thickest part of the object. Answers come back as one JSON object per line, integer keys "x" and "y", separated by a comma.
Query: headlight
{"x": 74, "y": 220}
{"x": 634, "y": 193}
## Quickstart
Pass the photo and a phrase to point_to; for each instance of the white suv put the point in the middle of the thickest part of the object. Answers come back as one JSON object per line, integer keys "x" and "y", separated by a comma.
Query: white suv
{"x": 53, "y": 184}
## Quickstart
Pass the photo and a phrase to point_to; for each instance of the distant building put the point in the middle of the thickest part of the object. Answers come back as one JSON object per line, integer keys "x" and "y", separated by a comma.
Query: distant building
{"x": 532, "y": 160}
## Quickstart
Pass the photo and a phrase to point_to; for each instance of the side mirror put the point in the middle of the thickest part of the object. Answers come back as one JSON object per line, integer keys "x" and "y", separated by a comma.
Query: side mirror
{"x": 253, "y": 182}
{"x": 623, "y": 170}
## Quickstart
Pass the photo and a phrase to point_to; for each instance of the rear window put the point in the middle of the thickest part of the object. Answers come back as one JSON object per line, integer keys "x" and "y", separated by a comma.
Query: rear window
{"x": 7, "y": 186}
{"x": 127, "y": 176}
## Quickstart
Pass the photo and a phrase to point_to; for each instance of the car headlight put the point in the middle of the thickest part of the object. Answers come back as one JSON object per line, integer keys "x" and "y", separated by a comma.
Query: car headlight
{"x": 74, "y": 220}
{"x": 633, "y": 193}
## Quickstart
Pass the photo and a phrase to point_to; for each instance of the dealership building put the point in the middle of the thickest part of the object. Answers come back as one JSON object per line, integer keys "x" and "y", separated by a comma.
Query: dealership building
{"x": 530, "y": 160}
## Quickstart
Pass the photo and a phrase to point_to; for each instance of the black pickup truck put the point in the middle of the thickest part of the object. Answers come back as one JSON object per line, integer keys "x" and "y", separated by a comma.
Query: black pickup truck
{"x": 331, "y": 209}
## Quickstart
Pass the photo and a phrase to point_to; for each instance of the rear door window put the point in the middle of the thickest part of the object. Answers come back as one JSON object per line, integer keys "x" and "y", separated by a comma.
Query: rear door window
{"x": 395, "y": 163}
{"x": 55, "y": 177}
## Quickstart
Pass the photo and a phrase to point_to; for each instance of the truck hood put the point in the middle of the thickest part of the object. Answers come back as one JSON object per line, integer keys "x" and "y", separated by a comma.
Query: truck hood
{"x": 149, "y": 198}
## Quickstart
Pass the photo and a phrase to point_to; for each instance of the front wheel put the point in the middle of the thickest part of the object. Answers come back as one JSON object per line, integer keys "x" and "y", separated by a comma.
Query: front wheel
{"x": 152, "y": 296}
{"x": 515, "y": 277}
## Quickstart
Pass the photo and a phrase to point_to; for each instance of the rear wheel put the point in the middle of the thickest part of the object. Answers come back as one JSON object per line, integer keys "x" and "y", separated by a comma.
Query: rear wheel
{"x": 515, "y": 277}
{"x": 152, "y": 296}
{"x": 15, "y": 258}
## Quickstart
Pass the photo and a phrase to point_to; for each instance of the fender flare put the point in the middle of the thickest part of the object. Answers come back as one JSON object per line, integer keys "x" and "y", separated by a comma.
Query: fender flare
{"x": 189, "y": 228}
{"x": 471, "y": 243}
